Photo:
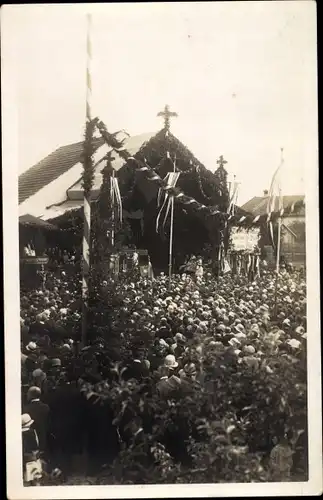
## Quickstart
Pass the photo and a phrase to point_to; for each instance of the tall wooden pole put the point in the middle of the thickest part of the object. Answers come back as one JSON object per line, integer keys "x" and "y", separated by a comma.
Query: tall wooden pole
{"x": 278, "y": 245}
{"x": 112, "y": 210}
{"x": 87, "y": 192}
{"x": 280, "y": 207}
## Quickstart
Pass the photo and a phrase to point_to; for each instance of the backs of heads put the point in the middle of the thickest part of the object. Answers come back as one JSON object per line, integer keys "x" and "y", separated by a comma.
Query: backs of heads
{"x": 33, "y": 393}
{"x": 39, "y": 375}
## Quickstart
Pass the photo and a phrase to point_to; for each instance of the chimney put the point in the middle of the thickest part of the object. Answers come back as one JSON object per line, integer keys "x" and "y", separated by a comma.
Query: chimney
{"x": 266, "y": 192}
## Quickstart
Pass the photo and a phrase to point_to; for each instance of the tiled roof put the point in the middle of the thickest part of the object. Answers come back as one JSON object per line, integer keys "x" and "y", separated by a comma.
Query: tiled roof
{"x": 258, "y": 204}
{"x": 50, "y": 168}
{"x": 131, "y": 144}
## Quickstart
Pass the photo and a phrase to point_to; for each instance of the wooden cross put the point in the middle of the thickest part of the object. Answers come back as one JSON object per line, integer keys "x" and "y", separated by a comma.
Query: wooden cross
{"x": 167, "y": 114}
{"x": 221, "y": 161}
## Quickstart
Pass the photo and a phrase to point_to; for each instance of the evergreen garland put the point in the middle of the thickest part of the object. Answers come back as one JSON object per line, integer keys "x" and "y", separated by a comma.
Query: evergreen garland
{"x": 87, "y": 157}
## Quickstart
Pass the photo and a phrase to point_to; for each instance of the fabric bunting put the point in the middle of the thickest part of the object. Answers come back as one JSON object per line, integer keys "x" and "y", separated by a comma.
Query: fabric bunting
{"x": 171, "y": 180}
{"x": 141, "y": 166}
{"x": 275, "y": 191}
{"x": 233, "y": 197}
{"x": 115, "y": 189}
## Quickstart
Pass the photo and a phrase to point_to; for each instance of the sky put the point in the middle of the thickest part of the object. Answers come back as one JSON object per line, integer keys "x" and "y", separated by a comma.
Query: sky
{"x": 240, "y": 75}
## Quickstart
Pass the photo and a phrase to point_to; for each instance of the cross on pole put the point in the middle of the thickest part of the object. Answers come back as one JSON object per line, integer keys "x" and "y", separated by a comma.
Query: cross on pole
{"x": 221, "y": 161}
{"x": 167, "y": 114}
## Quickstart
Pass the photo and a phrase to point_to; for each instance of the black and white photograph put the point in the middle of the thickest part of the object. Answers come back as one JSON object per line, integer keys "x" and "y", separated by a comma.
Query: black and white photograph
{"x": 161, "y": 249}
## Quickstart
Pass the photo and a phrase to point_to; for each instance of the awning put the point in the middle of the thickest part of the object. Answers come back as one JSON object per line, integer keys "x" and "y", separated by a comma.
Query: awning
{"x": 31, "y": 220}
{"x": 69, "y": 205}
{"x": 57, "y": 210}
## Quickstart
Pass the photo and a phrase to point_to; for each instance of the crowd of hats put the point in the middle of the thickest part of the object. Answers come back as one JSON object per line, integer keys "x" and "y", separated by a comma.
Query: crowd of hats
{"x": 175, "y": 330}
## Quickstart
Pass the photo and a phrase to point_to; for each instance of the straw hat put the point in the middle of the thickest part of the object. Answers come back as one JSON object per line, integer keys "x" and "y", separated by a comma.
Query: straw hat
{"x": 249, "y": 349}
{"x": 170, "y": 361}
{"x": 32, "y": 347}
{"x": 26, "y": 422}
{"x": 293, "y": 343}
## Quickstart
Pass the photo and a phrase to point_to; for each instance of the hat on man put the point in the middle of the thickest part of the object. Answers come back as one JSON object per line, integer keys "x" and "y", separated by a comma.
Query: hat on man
{"x": 33, "y": 393}
{"x": 56, "y": 362}
{"x": 170, "y": 361}
{"x": 180, "y": 338}
{"x": 31, "y": 347}
{"x": 66, "y": 347}
{"x": 26, "y": 422}
{"x": 39, "y": 374}
{"x": 190, "y": 369}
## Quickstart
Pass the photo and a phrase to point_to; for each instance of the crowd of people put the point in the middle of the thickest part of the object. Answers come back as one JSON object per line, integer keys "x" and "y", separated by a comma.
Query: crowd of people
{"x": 195, "y": 373}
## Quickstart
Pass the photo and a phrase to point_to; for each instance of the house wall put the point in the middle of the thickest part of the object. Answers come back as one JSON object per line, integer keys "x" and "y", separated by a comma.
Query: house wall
{"x": 294, "y": 248}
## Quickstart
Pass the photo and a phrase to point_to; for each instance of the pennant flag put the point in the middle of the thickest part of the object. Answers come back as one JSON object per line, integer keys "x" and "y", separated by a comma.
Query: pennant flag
{"x": 275, "y": 193}
{"x": 257, "y": 265}
{"x": 226, "y": 268}
{"x": 275, "y": 190}
{"x": 171, "y": 179}
{"x": 115, "y": 191}
{"x": 160, "y": 192}
{"x": 233, "y": 197}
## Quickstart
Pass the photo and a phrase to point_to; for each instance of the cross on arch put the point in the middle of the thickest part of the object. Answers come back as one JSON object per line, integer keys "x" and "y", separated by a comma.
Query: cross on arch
{"x": 167, "y": 114}
{"x": 221, "y": 161}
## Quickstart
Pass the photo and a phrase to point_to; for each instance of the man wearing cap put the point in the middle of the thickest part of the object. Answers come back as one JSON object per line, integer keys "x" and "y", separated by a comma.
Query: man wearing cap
{"x": 39, "y": 412}
{"x": 137, "y": 368}
{"x": 32, "y": 469}
{"x": 168, "y": 384}
{"x": 39, "y": 379}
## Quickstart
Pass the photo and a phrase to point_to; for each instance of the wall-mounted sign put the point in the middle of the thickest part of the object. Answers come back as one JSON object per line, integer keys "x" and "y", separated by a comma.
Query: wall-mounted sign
{"x": 252, "y": 239}
{"x": 35, "y": 260}
{"x": 246, "y": 240}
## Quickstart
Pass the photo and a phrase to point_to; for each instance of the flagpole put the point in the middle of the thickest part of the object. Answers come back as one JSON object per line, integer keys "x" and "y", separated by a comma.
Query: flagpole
{"x": 112, "y": 209}
{"x": 171, "y": 236}
{"x": 113, "y": 257}
{"x": 280, "y": 206}
{"x": 278, "y": 245}
{"x": 87, "y": 193}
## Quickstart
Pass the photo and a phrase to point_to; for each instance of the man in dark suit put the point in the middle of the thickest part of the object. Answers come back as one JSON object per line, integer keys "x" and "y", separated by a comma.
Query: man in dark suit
{"x": 39, "y": 412}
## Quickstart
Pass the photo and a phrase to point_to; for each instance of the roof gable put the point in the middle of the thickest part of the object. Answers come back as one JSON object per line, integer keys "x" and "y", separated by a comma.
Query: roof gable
{"x": 214, "y": 185}
{"x": 258, "y": 204}
{"x": 50, "y": 168}
{"x": 48, "y": 174}
{"x": 131, "y": 144}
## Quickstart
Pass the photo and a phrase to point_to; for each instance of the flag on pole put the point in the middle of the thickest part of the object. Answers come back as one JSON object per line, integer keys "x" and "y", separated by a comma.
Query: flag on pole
{"x": 171, "y": 179}
{"x": 115, "y": 189}
{"x": 226, "y": 267}
{"x": 275, "y": 198}
{"x": 233, "y": 197}
{"x": 275, "y": 191}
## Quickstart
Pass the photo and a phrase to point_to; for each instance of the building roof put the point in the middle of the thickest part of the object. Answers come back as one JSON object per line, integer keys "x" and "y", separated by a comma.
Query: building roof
{"x": 54, "y": 185}
{"x": 61, "y": 173}
{"x": 131, "y": 144}
{"x": 258, "y": 204}
{"x": 36, "y": 222}
{"x": 50, "y": 168}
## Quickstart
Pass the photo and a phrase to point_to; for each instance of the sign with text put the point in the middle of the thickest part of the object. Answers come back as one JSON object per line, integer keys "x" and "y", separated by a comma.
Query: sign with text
{"x": 252, "y": 239}
{"x": 35, "y": 260}
{"x": 244, "y": 240}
